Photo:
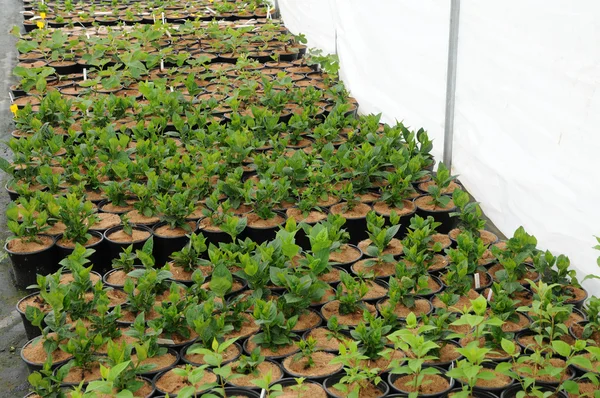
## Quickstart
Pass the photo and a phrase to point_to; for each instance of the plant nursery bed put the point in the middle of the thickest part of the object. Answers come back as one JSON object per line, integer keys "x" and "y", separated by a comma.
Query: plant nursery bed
{"x": 199, "y": 210}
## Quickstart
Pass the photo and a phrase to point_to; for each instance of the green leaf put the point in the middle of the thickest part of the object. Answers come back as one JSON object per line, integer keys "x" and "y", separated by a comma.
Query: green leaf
{"x": 221, "y": 280}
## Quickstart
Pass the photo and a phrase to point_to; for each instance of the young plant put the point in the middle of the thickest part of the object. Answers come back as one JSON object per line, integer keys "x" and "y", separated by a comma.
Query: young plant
{"x": 350, "y": 293}
{"x": 77, "y": 215}
{"x": 371, "y": 334}
{"x": 275, "y": 330}
{"x": 214, "y": 357}
{"x": 307, "y": 349}
{"x": 189, "y": 258}
{"x": 358, "y": 376}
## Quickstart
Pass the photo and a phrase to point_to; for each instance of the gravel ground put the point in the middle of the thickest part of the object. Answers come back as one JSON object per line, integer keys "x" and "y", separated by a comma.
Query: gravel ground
{"x": 13, "y": 373}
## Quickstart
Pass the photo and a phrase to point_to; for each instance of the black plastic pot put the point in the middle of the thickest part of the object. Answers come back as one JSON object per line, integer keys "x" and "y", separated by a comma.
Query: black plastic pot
{"x": 116, "y": 248}
{"x": 393, "y": 377}
{"x": 511, "y": 392}
{"x": 27, "y": 265}
{"x": 164, "y": 246}
{"x": 30, "y": 331}
{"x": 486, "y": 390}
{"x": 382, "y": 300}
{"x": 331, "y": 381}
{"x": 97, "y": 259}
{"x": 404, "y": 222}
{"x": 12, "y": 194}
{"x": 377, "y": 299}
{"x": 448, "y": 223}
{"x": 67, "y": 69}
{"x": 261, "y": 235}
{"x": 36, "y": 367}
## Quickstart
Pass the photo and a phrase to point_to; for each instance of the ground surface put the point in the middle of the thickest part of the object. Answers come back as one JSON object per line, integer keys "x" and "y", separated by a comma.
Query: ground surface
{"x": 13, "y": 373}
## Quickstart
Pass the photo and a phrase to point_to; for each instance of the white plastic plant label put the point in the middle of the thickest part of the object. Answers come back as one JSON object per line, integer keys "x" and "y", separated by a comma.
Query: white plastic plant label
{"x": 162, "y": 65}
{"x": 84, "y": 74}
{"x": 489, "y": 296}
{"x": 477, "y": 281}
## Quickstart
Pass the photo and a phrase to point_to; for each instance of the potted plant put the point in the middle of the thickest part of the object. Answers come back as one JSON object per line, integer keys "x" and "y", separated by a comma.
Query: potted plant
{"x": 30, "y": 251}
{"x": 437, "y": 203}
{"x": 170, "y": 235}
{"x": 78, "y": 215}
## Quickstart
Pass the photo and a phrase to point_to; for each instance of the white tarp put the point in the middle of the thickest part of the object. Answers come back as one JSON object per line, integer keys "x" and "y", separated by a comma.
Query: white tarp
{"x": 526, "y": 143}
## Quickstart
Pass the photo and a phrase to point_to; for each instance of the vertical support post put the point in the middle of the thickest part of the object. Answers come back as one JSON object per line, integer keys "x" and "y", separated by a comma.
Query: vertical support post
{"x": 451, "y": 82}
{"x": 277, "y": 13}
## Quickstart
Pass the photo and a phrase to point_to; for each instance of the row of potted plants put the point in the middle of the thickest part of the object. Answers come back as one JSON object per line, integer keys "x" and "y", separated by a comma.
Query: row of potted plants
{"x": 68, "y": 13}
{"x": 262, "y": 235}
{"x": 265, "y": 297}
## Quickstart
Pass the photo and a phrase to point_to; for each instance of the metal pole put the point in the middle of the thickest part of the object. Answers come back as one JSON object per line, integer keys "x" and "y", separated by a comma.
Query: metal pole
{"x": 277, "y": 9}
{"x": 451, "y": 82}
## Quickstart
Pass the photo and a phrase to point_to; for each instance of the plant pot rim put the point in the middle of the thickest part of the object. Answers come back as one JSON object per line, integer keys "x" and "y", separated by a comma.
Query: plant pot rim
{"x": 54, "y": 242}
{"x": 91, "y": 232}
{"x": 120, "y": 227}
{"x": 451, "y": 381}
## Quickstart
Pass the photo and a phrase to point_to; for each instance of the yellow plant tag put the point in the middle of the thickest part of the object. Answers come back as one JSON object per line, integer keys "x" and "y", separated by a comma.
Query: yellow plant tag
{"x": 40, "y": 24}
{"x": 43, "y": 15}
{"x": 14, "y": 108}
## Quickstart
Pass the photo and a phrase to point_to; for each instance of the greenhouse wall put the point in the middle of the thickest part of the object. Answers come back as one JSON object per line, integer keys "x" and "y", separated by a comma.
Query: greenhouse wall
{"x": 527, "y": 139}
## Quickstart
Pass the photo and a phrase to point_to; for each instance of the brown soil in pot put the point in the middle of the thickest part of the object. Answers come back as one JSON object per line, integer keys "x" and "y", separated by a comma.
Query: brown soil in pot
{"x": 311, "y": 218}
{"x": 136, "y": 218}
{"x": 577, "y": 330}
{"x": 463, "y": 301}
{"x": 368, "y": 197}
{"x": 267, "y": 352}
{"x": 328, "y": 296}
{"x": 34, "y": 301}
{"x": 379, "y": 269}
{"x": 118, "y": 278}
{"x": 510, "y": 326}
{"x": 71, "y": 245}
{"x": 34, "y": 352}
{"x": 424, "y": 203}
{"x": 144, "y": 391}
{"x": 443, "y": 239}
{"x": 313, "y": 390}
{"x": 67, "y": 278}
{"x": 345, "y": 254}
{"x": 332, "y": 308}
{"x": 381, "y": 362}
{"x": 376, "y": 290}
{"x": 330, "y": 201}
{"x": 576, "y": 293}
{"x": 384, "y": 209}
{"x": 306, "y": 321}
{"x": 530, "y": 342}
{"x": 486, "y": 236}
{"x": 56, "y": 229}
{"x": 574, "y": 317}
{"x": 76, "y": 374}
{"x": 496, "y": 353}
{"x": 160, "y": 362}
{"x": 584, "y": 388}
{"x": 231, "y": 353}
{"x": 370, "y": 391}
{"x": 394, "y": 248}
{"x": 245, "y": 380}
{"x": 422, "y": 307}
{"x": 432, "y": 384}
{"x": 255, "y": 221}
{"x": 521, "y": 369}
{"x": 180, "y": 274}
{"x": 111, "y": 208}
{"x": 322, "y": 366}
{"x": 324, "y": 341}
{"x": 530, "y": 274}
{"x": 437, "y": 263}
{"x": 167, "y": 232}
{"x": 19, "y": 245}
{"x": 330, "y": 276}
{"x": 424, "y": 186}
{"x": 359, "y": 211}
{"x": 207, "y": 225}
{"x": 172, "y": 383}
{"x": 248, "y": 328}
{"x": 136, "y": 236}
